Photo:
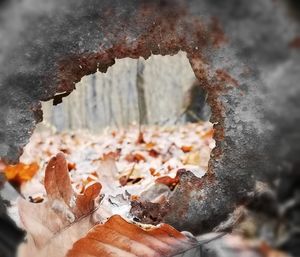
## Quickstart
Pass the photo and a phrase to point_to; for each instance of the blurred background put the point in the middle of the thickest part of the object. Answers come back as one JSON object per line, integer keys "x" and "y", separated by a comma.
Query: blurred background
{"x": 161, "y": 90}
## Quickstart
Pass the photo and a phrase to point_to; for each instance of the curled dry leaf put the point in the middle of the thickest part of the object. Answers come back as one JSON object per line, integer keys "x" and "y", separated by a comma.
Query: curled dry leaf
{"x": 63, "y": 210}
{"x": 85, "y": 203}
{"x": 57, "y": 181}
{"x": 60, "y": 192}
{"x": 117, "y": 237}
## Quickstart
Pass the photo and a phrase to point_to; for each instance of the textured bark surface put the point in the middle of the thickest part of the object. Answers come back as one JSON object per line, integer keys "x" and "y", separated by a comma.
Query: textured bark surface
{"x": 243, "y": 58}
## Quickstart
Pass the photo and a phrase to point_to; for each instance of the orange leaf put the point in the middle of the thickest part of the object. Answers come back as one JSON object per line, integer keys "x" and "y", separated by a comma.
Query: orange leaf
{"x": 153, "y": 172}
{"x": 57, "y": 181}
{"x": 20, "y": 173}
{"x": 186, "y": 149}
{"x": 136, "y": 157}
{"x": 85, "y": 203}
{"x": 71, "y": 166}
{"x": 168, "y": 181}
{"x": 112, "y": 155}
{"x": 117, "y": 237}
{"x": 153, "y": 153}
{"x": 150, "y": 145}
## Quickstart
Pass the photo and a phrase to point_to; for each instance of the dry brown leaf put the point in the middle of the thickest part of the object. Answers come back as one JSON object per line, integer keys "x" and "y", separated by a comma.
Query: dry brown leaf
{"x": 57, "y": 181}
{"x": 85, "y": 203}
{"x": 160, "y": 155}
{"x": 150, "y": 145}
{"x": 134, "y": 157}
{"x": 153, "y": 153}
{"x": 62, "y": 210}
{"x": 71, "y": 166}
{"x": 117, "y": 237}
{"x": 112, "y": 154}
{"x": 186, "y": 149}
{"x": 168, "y": 181}
{"x": 59, "y": 244}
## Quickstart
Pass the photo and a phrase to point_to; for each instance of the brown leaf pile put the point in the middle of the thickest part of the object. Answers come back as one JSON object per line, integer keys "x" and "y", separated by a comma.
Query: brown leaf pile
{"x": 140, "y": 156}
{"x": 140, "y": 178}
{"x": 65, "y": 217}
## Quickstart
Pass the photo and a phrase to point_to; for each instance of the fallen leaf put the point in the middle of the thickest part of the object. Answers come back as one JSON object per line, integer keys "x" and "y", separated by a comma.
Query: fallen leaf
{"x": 153, "y": 153}
{"x": 160, "y": 156}
{"x": 57, "y": 181}
{"x": 71, "y": 166}
{"x": 62, "y": 210}
{"x": 124, "y": 180}
{"x": 85, "y": 203}
{"x": 168, "y": 181}
{"x": 186, "y": 149}
{"x": 20, "y": 173}
{"x": 118, "y": 237}
{"x": 150, "y": 145}
{"x": 134, "y": 157}
{"x": 58, "y": 245}
{"x": 113, "y": 155}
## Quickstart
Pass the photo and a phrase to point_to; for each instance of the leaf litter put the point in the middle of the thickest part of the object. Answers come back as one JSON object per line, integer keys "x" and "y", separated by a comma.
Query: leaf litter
{"x": 80, "y": 190}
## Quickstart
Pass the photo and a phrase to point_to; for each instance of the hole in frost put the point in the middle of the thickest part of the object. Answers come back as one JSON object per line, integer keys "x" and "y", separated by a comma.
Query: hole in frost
{"x": 131, "y": 129}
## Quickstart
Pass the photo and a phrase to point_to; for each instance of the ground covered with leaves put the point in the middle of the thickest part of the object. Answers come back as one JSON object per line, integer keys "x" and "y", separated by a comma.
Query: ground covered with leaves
{"x": 104, "y": 195}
